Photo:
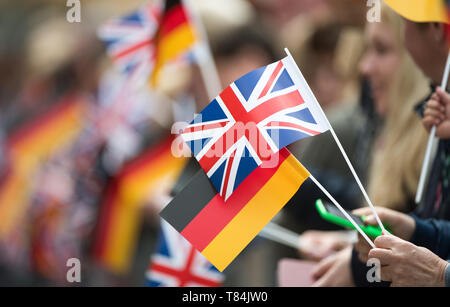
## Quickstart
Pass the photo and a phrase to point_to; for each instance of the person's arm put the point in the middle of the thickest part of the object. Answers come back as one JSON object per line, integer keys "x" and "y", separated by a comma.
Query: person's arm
{"x": 432, "y": 234}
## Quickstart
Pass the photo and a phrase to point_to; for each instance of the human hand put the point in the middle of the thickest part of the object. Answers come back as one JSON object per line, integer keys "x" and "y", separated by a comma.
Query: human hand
{"x": 334, "y": 271}
{"x": 317, "y": 245}
{"x": 405, "y": 264}
{"x": 399, "y": 224}
{"x": 437, "y": 113}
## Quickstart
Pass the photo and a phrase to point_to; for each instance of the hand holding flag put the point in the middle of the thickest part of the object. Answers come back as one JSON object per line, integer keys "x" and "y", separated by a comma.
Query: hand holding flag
{"x": 426, "y": 11}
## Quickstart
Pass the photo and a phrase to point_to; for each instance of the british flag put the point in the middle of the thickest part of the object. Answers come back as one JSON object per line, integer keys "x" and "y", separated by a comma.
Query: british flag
{"x": 251, "y": 120}
{"x": 129, "y": 41}
{"x": 176, "y": 263}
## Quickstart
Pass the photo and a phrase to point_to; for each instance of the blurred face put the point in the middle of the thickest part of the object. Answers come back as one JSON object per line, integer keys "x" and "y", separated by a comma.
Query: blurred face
{"x": 427, "y": 47}
{"x": 379, "y": 64}
{"x": 245, "y": 60}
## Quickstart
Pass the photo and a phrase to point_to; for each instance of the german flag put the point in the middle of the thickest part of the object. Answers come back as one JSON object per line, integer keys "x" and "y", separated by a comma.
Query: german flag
{"x": 119, "y": 219}
{"x": 220, "y": 229}
{"x": 175, "y": 35}
{"x": 28, "y": 148}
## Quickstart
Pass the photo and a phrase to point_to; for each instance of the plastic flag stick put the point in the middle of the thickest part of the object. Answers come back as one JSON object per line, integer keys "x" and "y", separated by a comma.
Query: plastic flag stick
{"x": 342, "y": 210}
{"x": 366, "y": 197}
{"x": 281, "y": 235}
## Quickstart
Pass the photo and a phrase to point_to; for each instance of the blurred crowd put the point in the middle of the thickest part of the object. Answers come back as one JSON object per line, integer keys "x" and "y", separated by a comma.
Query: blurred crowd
{"x": 72, "y": 130}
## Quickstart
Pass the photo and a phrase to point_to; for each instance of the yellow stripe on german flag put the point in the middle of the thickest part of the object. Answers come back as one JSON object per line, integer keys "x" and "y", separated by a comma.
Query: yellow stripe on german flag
{"x": 119, "y": 222}
{"x": 175, "y": 35}
{"x": 220, "y": 229}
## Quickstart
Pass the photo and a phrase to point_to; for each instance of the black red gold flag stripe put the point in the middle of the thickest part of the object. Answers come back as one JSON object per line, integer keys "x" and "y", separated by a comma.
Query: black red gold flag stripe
{"x": 175, "y": 35}
{"x": 119, "y": 218}
{"x": 220, "y": 229}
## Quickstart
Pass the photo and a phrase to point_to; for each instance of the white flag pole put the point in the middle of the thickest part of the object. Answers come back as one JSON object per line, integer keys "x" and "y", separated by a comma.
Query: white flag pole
{"x": 203, "y": 54}
{"x": 361, "y": 187}
{"x": 279, "y": 234}
{"x": 342, "y": 210}
{"x": 426, "y": 159}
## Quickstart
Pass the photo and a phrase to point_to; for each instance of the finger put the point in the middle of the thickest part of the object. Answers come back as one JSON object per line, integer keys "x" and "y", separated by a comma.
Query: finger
{"x": 435, "y": 114}
{"x": 428, "y": 122}
{"x": 435, "y": 104}
{"x": 385, "y": 256}
{"x": 444, "y": 97}
{"x": 432, "y": 112}
{"x": 386, "y": 241}
{"x": 385, "y": 273}
{"x": 324, "y": 281}
{"x": 370, "y": 218}
{"x": 322, "y": 267}
{"x": 362, "y": 211}
{"x": 432, "y": 119}
{"x": 434, "y": 96}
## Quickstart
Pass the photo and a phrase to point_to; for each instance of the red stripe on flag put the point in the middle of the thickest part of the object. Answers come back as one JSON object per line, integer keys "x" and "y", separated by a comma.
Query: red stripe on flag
{"x": 227, "y": 173}
{"x": 105, "y": 220}
{"x": 150, "y": 156}
{"x": 272, "y": 79}
{"x": 289, "y": 125}
{"x": 33, "y": 127}
{"x": 175, "y": 17}
{"x": 218, "y": 213}
{"x": 122, "y": 53}
{"x": 184, "y": 276}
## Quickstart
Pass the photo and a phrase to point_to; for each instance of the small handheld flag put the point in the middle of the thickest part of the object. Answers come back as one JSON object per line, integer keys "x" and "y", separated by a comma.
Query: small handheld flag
{"x": 220, "y": 229}
{"x": 175, "y": 35}
{"x": 130, "y": 42}
{"x": 251, "y": 120}
{"x": 119, "y": 218}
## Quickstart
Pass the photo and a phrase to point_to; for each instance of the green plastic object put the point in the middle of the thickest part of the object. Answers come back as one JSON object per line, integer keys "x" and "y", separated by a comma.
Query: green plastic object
{"x": 370, "y": 230}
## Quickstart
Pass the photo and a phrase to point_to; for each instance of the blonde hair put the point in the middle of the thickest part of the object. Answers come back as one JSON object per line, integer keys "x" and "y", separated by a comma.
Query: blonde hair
{"x": 396, "y": 162}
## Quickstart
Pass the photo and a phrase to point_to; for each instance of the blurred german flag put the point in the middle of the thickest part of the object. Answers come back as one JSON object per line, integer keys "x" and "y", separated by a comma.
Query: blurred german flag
{"x": 119, "y": 219}
{"x": 175, "y": 35}
{"x": 30, "y": 146}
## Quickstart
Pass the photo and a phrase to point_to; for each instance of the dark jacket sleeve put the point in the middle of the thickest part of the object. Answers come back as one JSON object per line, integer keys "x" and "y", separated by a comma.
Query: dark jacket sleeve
{"x": 434, "y": 235}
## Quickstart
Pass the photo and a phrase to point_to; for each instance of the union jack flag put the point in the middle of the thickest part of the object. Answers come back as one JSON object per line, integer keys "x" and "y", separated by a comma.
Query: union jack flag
{"x": 129, "y": 41}
{"x": 176, "y": 263}
{"x": 251, "y": 120}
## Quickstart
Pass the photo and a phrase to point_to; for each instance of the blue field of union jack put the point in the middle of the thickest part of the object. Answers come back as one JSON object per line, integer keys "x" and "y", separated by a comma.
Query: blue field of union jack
{"x": 251, "y": 120}
{"x": 176, "y": 263}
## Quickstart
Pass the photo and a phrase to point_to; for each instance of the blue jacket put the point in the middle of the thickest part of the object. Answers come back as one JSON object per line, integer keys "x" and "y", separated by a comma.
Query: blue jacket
{"x": 434, "y": 235}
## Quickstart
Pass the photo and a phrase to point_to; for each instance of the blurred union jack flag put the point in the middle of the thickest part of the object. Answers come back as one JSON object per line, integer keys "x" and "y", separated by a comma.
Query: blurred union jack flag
{"x": 129, "y": 40}
{"x": 176, "y": 263}
{"x": 251, "y": 120}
